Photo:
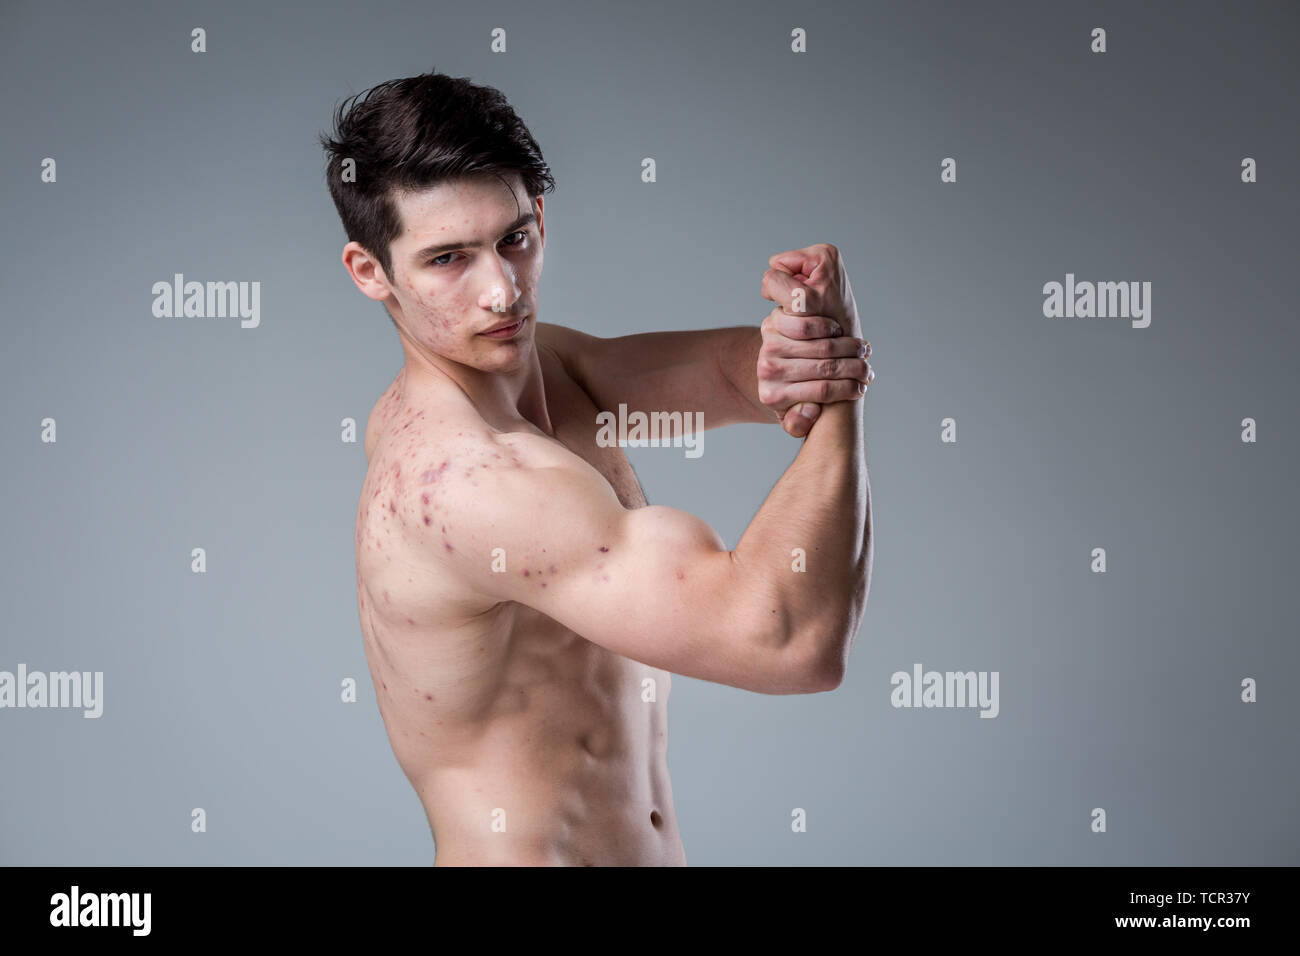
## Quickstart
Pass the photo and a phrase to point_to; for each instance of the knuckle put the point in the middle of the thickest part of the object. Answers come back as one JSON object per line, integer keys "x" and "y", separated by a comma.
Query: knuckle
{"x": 824, "y": 391}
{"x": 766, "y": 367}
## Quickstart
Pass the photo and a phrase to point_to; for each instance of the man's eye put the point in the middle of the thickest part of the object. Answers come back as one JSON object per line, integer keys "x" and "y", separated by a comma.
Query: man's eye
{"x": 522, "y": 233}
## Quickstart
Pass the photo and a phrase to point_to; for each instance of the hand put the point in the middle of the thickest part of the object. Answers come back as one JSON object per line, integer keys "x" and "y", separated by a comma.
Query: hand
{"x": 812, "y": 351}
{"x": 804, "y": 361}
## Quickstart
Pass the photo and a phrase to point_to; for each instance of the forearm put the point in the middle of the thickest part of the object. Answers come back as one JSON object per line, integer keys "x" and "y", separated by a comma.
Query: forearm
{"x": 737, "y": 362}
{"x": 822, "y": 506}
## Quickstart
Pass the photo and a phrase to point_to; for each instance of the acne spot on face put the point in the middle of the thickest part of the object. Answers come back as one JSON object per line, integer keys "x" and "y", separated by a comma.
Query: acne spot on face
{"x": 602, "y": 548}
{"x": 525, "y": 572}
{"x": 428, "y": 521}
{"x": 448, "y": 547}
{"x": 680, "y": 576}
{"x": 392, "y": 508}
{"x": 425, "y": 497}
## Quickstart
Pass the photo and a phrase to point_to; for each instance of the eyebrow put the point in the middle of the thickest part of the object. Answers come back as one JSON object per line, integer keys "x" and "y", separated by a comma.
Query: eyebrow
{"x": 429, "y": 252}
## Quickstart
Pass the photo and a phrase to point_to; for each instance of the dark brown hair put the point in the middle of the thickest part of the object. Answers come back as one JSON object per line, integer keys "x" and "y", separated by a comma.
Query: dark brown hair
{"x": 415, "y": 133}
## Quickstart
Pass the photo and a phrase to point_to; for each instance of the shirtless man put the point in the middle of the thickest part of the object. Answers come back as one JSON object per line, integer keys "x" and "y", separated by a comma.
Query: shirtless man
{"x": 521, "y": 604}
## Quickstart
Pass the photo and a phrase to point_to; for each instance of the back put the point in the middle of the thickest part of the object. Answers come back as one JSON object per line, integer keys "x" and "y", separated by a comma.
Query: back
{"x": 526, "y": 742}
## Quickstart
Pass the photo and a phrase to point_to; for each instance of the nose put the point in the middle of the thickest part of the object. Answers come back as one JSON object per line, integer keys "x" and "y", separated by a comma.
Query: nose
{"x": 499, "y": 291}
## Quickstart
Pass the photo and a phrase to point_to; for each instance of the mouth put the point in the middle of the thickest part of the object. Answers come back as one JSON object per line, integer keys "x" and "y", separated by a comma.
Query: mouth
{"x": 505, "y": 331}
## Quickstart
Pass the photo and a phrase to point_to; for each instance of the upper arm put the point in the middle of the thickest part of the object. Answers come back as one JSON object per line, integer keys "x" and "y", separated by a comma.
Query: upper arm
{"x": 654, "y": 584}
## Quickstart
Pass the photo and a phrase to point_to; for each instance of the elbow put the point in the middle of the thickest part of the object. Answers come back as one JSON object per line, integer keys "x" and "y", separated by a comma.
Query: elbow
{"x": 827, "y": 674}
{"x": 826, "y": 656}
{"x": 808, "y": 656}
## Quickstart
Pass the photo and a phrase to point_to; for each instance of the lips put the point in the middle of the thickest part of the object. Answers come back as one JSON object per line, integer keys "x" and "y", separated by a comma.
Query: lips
{"x": 505, "y": 331}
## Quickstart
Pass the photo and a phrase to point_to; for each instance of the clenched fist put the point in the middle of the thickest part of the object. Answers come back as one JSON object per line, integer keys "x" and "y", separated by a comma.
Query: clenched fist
{"x": 812, "y": 349}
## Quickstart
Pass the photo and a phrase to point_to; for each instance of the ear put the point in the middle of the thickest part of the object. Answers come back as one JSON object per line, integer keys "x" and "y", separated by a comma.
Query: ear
{"x": 366, "y": 272}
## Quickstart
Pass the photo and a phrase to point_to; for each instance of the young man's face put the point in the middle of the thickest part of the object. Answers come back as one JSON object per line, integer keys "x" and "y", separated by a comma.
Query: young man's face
{"x": 468, "y": 259}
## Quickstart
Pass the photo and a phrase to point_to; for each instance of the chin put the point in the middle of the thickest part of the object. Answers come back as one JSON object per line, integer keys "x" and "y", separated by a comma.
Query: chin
{"x": 505, "y": 356}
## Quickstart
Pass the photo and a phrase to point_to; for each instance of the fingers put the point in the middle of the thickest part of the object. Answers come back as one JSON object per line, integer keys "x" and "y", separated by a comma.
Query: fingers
{"x": 790, "y": 293}
{"x": 778, "y": 394}
{"x": 798, "y": 420}
{"x": 804, "y": 262}
{"x": 800, "y": 326}
{"x": 825, "y": 390}
{"x": 812, "y": 370}
{"x": 835, "y": 346}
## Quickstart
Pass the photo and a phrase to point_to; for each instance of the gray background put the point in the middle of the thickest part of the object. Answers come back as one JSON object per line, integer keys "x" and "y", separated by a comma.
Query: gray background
{"x": 1118, "y": 690}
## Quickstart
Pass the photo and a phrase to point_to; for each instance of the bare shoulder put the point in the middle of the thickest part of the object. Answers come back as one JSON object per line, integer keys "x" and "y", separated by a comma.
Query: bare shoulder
{"x": 574, "y": 350}
{"x": 381, "y": 413}
{"x": 436, "y": 461}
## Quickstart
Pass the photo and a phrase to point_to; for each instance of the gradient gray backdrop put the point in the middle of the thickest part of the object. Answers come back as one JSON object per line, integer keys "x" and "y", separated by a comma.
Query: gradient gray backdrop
{"x": 1118, "y": 690}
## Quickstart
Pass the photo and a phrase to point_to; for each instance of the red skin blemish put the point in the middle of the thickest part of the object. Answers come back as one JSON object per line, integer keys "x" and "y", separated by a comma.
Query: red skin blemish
{"x": 433, "y": 474}
{"x": 428, "y": 697}
{"x": 602, "y": 548}
{"x": 392, "y": 507}
{"x": 409, "y": 621}
{"x": 680, "y": 576}
{"x": 604, "y": 577}
{"x": 552, "y": 569}
{"x": 543, "y": 584}
{"x": 525, "y": 572}
{"x": 428, "y": 520}
{"x": 387, "y": 600}
{"x": 448, "y": 547}
{"x": 425, "y": 497}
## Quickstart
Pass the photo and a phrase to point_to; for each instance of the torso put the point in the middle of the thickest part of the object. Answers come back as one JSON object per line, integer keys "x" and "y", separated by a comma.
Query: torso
{"x": 526, "y": 743}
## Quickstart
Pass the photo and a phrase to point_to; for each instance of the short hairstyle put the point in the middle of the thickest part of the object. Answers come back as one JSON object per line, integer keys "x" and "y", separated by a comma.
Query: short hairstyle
{"x": 415, "y": 133}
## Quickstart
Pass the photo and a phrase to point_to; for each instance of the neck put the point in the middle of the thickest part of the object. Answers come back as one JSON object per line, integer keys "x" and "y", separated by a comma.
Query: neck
{"x": 504, "y": 399}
